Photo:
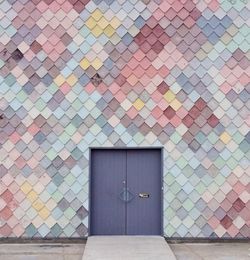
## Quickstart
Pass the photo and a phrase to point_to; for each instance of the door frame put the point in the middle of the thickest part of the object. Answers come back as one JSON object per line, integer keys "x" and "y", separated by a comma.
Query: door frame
{"x": 91, "y": 149}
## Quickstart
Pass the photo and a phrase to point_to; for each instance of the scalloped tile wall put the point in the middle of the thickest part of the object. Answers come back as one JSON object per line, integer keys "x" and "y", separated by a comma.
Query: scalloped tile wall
{"x": 81, "y": 73}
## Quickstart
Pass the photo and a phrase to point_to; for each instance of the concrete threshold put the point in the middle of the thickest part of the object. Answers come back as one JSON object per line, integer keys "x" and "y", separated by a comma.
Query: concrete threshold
{"x": 127, "y": 248}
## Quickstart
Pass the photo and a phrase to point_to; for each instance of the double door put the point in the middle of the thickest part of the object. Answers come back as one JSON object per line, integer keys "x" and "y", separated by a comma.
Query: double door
{"x": 126, "y": 192}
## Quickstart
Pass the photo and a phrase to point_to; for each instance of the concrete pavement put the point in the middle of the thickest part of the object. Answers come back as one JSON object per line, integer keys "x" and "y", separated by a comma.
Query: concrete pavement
{"x": 185, "y": 251}
{"x": 55, "y": 251}
{"x": 212, "y": 251}
{"x": 127, "y": 248}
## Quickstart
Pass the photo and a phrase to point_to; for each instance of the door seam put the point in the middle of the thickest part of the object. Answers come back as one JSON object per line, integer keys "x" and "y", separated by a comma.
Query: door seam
{"x": 126, "y": 181}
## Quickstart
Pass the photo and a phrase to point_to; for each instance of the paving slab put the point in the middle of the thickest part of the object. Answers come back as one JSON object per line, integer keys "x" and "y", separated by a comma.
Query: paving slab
{"x": 44, "y": 251}
{"x": 212, "y": 251}
{"x": 127, "y": 248}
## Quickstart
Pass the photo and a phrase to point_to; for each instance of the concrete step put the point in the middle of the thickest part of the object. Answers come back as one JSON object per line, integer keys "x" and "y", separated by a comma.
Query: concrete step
{"x": 127, "y": 248}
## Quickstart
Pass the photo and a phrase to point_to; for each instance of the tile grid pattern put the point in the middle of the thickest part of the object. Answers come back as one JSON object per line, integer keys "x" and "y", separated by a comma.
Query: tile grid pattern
{"x": 80, "y": 73}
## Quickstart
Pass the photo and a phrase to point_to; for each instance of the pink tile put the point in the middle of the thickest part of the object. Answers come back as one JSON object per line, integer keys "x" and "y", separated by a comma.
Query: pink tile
{"x": 7, "y": 196}
{"x": 5, "y": 230}
{"x": 66, "y": 7}
{"x": 163, "y": 104}
{"x": 157, "y": 112}
{"x": 181, "y": 112}
{"x": 139, "y": 55}
{"x": 29, "y": 55}
{"x": 177, "y": 6}
{"x": 90, "y": 88}
{"x": 126, "y": 71}
{"x": 233, "y": 231}
{"x": 48, "y": 47}
{"x": 53, "y": 39}
{"x": 102, "y": 88}
{"x": 189, "y": 22}
{"x": 65, "y": 88}
{"x": 213, "y": 222}
{"x": 225, "y": 88}
{"x": 132, "y": 79}
{"x": 33, "y": 129}
{"x": 163, "y": 71}
{"x": 42, "y": 7}
{"x": 183, "y": 13}
{"x": 133, "y": 63}
{"x": 151, "y": 71}
{"x": 138, "y": 72}
{"x": 239, "y": 187}
{"x": 120, "y": 96}
{"x": 164, "y": 6}
{"x": 132, "y": 112}
{"x": 114, "y": 88}
{"x": 226, "y": 205}
{"x": 18, "y": 230}
{"x": 5, "y": 213}
{"x": 158, "y": 14}
{"x": 145, "y": 63}
{"x": 20, "y": 162}
{"x": 156, "y": 97}
{"x": 145, "y": 80}
{"x": 14, "y": 138}
{"x": 244, "y": 78}
{"x": 19, "y": 196}
{"x": 175, "y": 121}
{"x": 54, "y": 7}
{"x": 139, "y": 87}
{"x": 54, "y": 55}
{"x": 162, "y": 121}
{"x": 13, "y": 187}
{"x": 232, "y": 80}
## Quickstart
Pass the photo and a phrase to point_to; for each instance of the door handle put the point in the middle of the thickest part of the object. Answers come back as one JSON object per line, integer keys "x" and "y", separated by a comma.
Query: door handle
{"x": 126, "y": 195}
{"x": 144, "y": 195}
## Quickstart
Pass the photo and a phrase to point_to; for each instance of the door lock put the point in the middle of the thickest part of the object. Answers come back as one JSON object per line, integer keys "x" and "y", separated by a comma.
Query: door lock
{"x": 144, "y": 195}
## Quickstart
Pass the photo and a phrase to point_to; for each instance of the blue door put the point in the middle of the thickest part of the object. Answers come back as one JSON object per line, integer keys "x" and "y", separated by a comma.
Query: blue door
{"x": 126, "y": 192}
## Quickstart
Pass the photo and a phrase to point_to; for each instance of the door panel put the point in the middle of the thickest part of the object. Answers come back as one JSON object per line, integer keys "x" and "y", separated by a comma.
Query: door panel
{"x": 144, "y": 178}
{"x": 118, "y": 178}
{"x": 107, "y": 209}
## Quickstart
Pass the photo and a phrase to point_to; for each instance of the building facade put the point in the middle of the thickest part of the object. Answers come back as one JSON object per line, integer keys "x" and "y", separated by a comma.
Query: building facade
{"x": 171, "y": 74}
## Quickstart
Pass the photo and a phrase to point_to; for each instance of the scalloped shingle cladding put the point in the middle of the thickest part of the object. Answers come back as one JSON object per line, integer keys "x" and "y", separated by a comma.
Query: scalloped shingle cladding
{"x": 76, "y": 74}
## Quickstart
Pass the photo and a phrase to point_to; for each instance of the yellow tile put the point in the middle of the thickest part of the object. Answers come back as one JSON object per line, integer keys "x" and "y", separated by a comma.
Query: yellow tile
{"x": 115, "y": 23}
{"x": 71, "y": 80}
{"x": 109, "y": 31}
{"x": 97, "y": 63}
{"x": 97, "y": 14}
{"x": 26, "y": 187}
{"x": 38, "y": 205}
{"x": 207, "y": 47}
{"x": 225, "y": 137}
{"x": 97, "y": 31}
{"x": 201, "y": 55}
{"x": 226, "y": 38}
{"x": 138, "y": 104}
{"x": 44, "y": 213}
{"x": 91, "y": 23}
{"x": 169, "y": 96}
{"x": 103, "y": 23}
{"x": 84, "y": 64}
{"x": 32, "y": 196}
{"x": 59, "y": 80}
{"x": 175, "y": 104}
